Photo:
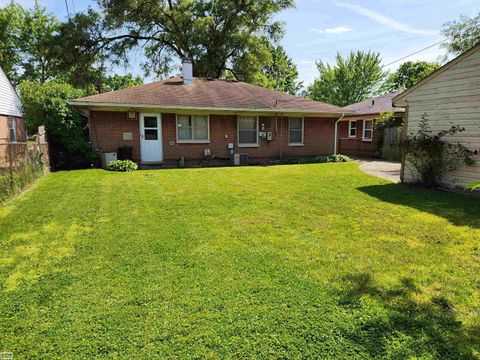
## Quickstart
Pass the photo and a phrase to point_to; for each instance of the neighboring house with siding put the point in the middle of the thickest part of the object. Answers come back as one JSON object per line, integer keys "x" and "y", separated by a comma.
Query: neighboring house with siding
{"x": 449, "y": 96}
{"x": 355, "y": 132}
{"x": 12, "y": 126}
{"x": 193, "y": 119}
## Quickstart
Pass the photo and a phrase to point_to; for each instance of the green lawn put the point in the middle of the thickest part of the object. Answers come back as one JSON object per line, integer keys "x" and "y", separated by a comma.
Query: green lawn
{"x": 255, "y": 262}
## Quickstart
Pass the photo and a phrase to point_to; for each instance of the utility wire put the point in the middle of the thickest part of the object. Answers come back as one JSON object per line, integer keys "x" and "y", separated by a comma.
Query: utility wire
{"x": 68, "y": 11}
{"x": 73, "y": 6}
{"x": 416, "y": 52}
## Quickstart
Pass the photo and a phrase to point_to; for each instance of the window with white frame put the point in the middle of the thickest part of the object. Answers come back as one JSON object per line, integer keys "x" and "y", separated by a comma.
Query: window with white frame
{"x": 352, "y": 128}
{"x": 193, "y": 128}
{"x": 247, "y": 131}
{"x": 12, "y": 130}
{"x": 295, "y": 131}
{"x": 367, "y": 130}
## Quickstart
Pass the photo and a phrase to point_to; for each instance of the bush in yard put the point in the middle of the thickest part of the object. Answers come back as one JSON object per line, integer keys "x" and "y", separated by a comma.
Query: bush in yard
{"x": 67, "y": 129}
{"x": 122, "y": 165}
{"x": 319, "y": 159}
{"x": 431, "y": 156}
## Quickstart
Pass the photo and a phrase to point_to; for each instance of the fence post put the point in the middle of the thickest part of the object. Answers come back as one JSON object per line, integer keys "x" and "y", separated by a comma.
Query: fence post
{"x": 10, "y": 167}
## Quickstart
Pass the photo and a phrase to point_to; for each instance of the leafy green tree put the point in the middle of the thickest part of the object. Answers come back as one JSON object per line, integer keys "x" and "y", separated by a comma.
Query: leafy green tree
{"x": 352, "y": 79}
{"x": 281, "y": 72}
{"x": 11, "y": 22}
{"x": 47, "y": 104}
{"x": 220, "y": 35}
{"x": 38, "y": 60}
{"x": 409, "y": 73}
{"x": 117, "y": 82}
{"x": 26, "y": 51}
{"x": 462, "y": 34}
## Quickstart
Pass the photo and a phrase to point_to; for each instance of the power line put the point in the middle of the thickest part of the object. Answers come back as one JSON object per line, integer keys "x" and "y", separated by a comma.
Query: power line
{"x": 68, "y": 11}
{"x": 73, "y": 6}
{"x": 416, "y": 52}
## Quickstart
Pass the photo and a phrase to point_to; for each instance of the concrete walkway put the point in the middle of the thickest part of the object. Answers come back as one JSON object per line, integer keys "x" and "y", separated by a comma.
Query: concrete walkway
{"x": 383, "y": 169}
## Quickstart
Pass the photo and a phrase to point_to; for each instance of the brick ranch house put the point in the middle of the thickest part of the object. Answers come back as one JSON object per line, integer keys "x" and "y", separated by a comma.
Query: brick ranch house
{"x": 12, "y": 127}
{"x": 355, "y": 134}
{"x": 194, "y": 119}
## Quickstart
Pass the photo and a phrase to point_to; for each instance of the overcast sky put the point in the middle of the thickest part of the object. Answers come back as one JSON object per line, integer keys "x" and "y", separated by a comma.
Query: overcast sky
{"x": 317, "y": 29}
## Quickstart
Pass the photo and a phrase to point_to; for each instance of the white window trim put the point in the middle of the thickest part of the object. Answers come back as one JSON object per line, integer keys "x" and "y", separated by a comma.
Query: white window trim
{"x": 192, "y": 141}
{"x": 363, "y": 130}
{"x": 350, "y": 128}
{"x": 238, "y": 133}
{"x": 14, "y": 121}
{"x": 303, "y": 131}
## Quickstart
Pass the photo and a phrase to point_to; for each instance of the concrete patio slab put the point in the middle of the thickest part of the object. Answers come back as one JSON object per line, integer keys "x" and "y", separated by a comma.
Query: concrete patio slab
{"x": 388, "y": 170}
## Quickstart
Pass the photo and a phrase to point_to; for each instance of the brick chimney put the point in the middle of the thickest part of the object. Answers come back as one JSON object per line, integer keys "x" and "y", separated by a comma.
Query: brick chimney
{"x": 187, "y": 70}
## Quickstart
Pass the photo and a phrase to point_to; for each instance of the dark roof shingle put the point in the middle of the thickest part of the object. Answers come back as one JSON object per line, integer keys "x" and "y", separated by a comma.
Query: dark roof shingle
{"x": 208, "y": 94}
{"x": 376, "y": 105}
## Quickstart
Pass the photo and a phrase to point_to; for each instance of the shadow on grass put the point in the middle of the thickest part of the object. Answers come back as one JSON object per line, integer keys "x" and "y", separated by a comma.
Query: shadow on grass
{"x": 462, "y": 210}
{"x": 405, "y": 327}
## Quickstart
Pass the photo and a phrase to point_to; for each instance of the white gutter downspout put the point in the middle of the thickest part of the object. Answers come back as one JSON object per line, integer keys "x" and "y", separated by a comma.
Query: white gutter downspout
{"x": 336, "y": 131}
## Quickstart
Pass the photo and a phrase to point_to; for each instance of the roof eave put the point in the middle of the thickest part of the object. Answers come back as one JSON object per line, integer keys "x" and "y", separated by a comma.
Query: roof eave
{"x": 125, "y": 106}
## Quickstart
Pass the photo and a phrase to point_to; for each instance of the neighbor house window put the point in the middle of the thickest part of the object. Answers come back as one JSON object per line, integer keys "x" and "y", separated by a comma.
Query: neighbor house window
{"x": 12, "y": 131}
{"x": 352, "y": 129}
{"x": 295, "y": 131}
{"x": 367, "y": 130}
{"x": 247, "y": 131}
{"x": 192, "y": 128}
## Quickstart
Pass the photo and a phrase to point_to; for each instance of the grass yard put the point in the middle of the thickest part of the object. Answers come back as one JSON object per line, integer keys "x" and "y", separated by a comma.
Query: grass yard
{"x": 278, "y": 262}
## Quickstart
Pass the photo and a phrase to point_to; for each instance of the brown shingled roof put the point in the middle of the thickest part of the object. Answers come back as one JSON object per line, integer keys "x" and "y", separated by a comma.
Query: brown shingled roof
{"x": 208, "y": 94}
{"x": 376, "y": 105}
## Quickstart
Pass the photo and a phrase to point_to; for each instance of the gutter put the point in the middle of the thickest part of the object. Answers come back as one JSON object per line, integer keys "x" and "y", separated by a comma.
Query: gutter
{"x": 127, "y": 106}
{"x": 336, "y": 131}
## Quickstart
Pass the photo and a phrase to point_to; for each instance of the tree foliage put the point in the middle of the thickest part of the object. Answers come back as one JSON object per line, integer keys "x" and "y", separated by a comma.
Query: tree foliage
{"x": 11, "y": 19}
{"x": 281, "y": 72}
{"x": 462, "y": 34}
{"x": 26, "y": 52}
{"x": 409, "y": 73}
{"x": 117, "y": 82}
{"x": 47, "y": 104}
{"x": 220, "y": 35}
{"x": 352, "y": 79}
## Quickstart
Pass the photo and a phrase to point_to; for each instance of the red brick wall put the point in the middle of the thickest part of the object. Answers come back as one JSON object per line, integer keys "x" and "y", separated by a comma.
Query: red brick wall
{"x": 354, "y": 146}
{"x": 106, "y": 131}
{"x": 106, "y": 134}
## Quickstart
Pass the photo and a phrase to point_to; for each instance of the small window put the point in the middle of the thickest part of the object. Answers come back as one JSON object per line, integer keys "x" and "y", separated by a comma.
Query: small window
{"x": 367, "y": 130}
{"x": 192, "y": 128}
{"x": 352, "y": 129}
{"x": 247, "y": 131}
{"x": 12, "y": 131}
{"x": 295, "y": 133}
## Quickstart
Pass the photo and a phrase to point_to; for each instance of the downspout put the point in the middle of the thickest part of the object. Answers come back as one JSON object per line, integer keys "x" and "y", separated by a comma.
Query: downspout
{"x": 336, "y": 131}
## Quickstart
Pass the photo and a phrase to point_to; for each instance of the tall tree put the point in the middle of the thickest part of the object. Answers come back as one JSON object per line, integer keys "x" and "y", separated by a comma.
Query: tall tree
{"x": 281, "y": 72}
{"x": 352, "y": 79}
{"x": 11, "y": 21}
{"x": 26, "y": 51}
{"x": 117, "y": 82}
{"x": 462, "y": 34}
{"x": 220, "y": 35}
{"x": 409, "y": 73}
{"x": 38, "y": 60}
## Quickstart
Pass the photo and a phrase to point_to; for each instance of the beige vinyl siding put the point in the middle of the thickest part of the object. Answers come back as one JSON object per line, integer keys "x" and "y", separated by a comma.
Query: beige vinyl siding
{"x": 451, "y": 98}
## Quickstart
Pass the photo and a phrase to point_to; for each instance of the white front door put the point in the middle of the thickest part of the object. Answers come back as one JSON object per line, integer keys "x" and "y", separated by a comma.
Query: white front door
{"x": 151, "y": 148}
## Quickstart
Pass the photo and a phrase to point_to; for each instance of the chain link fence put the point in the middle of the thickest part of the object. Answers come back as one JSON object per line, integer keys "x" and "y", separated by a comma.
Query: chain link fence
{"x": 21, "y": 163}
